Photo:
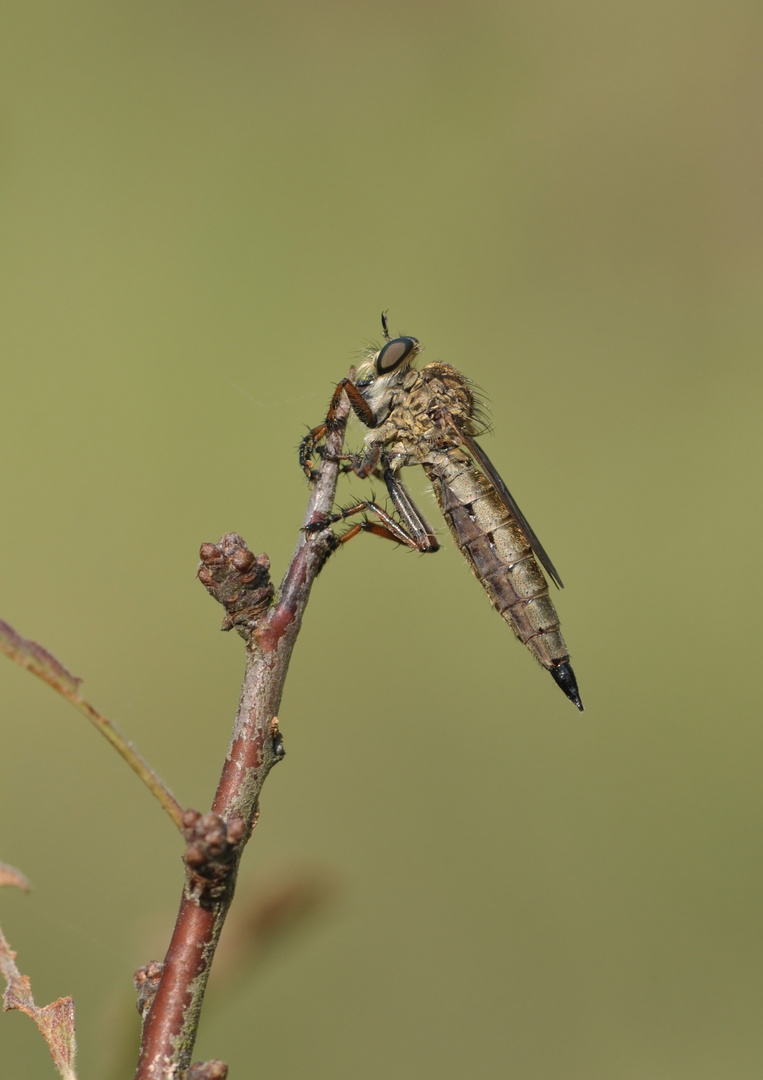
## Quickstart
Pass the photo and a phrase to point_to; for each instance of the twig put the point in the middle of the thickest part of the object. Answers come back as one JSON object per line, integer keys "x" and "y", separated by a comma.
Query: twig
{"x": 46, "y": 667}
{"x": 240, "y": 581}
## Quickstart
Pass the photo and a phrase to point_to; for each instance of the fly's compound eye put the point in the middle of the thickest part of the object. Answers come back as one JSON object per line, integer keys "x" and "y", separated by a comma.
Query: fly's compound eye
{"x": 395, "y": 353}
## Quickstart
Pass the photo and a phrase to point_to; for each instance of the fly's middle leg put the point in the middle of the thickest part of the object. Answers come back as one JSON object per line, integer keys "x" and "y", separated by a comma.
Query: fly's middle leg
{"x": 409, "y": 514}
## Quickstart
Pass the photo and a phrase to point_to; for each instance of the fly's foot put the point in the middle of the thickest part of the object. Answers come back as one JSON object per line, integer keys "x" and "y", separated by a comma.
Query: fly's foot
{"x": 320, "y": 523}
{"x": 307, "y": 449}
{"x": 349, "y": 463}
{"x": 317, "y": 526}
{"x": 310, "y": 446}
{"x": 325, "y": 521}
{"x": 329, "y": 539}
{"x": 310, "y": 449}
{"x": 329, "y": 549}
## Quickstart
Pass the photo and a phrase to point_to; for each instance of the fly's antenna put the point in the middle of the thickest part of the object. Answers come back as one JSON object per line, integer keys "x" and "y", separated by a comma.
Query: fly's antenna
{"x": 385, "y": 325}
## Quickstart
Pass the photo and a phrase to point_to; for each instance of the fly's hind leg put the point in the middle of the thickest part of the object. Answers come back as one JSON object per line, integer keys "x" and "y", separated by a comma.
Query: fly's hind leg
{"x": 410, "y": 516}
{"x": 411, "y": 530}
{"x": 385, "y": 525}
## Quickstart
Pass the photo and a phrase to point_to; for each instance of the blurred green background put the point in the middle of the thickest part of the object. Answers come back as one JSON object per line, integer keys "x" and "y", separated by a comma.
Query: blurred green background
{"x": 204, "y": 208}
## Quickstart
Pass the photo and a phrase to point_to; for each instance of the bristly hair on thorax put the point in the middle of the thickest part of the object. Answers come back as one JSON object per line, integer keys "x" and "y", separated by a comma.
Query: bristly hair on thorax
{"x": 375, "y": 387}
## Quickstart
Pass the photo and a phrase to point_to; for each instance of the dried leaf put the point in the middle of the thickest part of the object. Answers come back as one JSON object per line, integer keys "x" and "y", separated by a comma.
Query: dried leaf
{"x": 55, "y": 1021}
{"x": 38, "y": 660}
{"x": 9, "y": 875}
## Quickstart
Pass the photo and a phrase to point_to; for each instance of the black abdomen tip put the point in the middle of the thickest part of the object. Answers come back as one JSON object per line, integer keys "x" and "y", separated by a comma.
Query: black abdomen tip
{"x": 564, "y": 677}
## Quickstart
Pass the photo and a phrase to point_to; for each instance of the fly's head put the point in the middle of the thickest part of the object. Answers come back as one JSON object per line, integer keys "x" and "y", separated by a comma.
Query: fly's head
{"x": 383, "y": 371}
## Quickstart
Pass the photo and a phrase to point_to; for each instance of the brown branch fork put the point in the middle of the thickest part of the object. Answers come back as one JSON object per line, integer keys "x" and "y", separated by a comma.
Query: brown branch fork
{"x": 170, "y": 993}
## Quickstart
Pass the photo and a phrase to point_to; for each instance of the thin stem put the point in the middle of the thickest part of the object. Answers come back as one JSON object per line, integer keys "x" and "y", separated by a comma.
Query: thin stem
{"x": 217, "y": 839}
{"x": 137, "y": 763}
{"x": 45, "y": 666}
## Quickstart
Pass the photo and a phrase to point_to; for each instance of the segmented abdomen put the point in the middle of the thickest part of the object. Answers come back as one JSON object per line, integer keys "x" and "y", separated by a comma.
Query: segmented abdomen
{"x": 498, "y": 553}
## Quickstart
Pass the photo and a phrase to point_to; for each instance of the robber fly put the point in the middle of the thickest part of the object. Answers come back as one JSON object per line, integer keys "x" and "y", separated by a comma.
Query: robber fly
{"x": 428, "y": 418}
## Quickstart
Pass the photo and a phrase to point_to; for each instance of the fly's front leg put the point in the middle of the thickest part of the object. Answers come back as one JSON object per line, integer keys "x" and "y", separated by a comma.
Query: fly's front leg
{"x": 360, "y": 407}
{"x": 307, "y": 449}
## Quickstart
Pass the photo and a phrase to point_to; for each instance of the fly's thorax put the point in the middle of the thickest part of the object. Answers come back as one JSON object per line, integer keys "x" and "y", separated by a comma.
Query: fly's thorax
{"x": 398, "y": 440}
{"x": 443, "y": 388}
{"x": 413, "y": 410}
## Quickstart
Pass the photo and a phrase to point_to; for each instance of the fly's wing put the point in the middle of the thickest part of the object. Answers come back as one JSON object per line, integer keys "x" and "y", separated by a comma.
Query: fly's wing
{"x": 507, "y": 498}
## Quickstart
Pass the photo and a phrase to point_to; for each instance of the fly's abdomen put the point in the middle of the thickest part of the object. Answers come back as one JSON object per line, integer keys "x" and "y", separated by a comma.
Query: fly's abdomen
{"x": 498, "y": 553}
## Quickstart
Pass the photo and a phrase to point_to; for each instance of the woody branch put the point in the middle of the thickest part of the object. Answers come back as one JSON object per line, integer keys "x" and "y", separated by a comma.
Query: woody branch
{"x": 171, "y": 993}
